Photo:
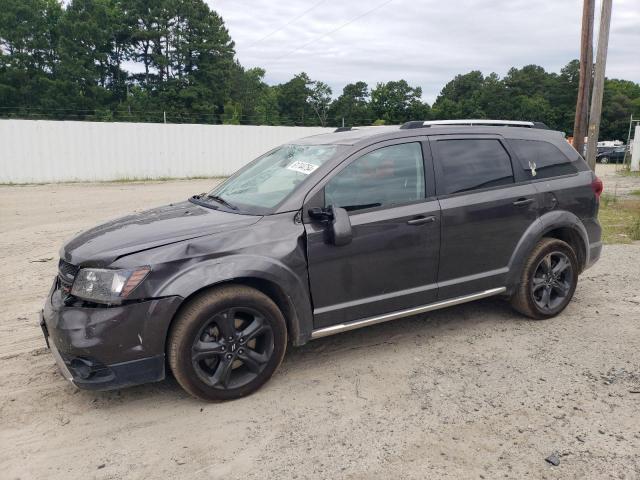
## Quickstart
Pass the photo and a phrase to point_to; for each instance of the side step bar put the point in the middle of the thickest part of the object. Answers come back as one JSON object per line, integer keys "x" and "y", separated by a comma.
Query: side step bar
{"x": 365, "y": 322}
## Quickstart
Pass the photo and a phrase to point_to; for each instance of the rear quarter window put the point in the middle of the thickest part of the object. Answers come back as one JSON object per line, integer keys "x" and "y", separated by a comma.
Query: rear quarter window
{"x": 542, "y": 159}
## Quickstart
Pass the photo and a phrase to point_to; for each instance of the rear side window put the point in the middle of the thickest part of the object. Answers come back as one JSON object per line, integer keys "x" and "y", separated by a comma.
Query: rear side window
{"x": 542, "y": 159}
{"x": 471, "y": 164}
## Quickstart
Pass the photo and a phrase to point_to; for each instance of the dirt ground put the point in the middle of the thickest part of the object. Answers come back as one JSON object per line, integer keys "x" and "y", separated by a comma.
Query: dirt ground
{"x": 617, "y": 185}
{"x": 474, "y": 391}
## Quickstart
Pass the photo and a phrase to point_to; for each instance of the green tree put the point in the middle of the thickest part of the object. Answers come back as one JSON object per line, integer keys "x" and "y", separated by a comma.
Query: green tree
{"x": 494, "y": 98}
{"x": 257, "y": 100}
{"x": 69, "y": 59}
{"x": 398, "y": 102}
{"x": 93, "y": 45}
{"x": 533, "y": 108}
{"x": 146, "y": 16}
{"x": 621, "y": 100}
{"x": 320, "y": 99}
{"x": 529, "y": 93}
{"x": 352, "y": 105}
{"x": 527, "y": 81}
{"x": 562, "y": 94}
{"x": 292, "y": 101}
{"x": 232, "y": 113}
{"x": 267, "y": 110}
{"x": 28, "y": 55}
{"x": 188, "y": 58}
{"x": 201, "y": 55}
{"x": 461, "y": 97}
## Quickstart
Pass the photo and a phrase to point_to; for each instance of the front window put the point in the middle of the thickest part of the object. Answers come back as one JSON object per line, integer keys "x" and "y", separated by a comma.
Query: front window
{"x": 269, "y": 179}
{"x": 386, "y": 177}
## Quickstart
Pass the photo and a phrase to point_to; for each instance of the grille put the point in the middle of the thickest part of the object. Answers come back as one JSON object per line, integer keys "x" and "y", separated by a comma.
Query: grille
{"x": 66, "y": 274}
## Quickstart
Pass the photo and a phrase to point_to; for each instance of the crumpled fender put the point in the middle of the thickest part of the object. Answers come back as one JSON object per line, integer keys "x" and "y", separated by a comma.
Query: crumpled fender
{"x": 207, "y": 273}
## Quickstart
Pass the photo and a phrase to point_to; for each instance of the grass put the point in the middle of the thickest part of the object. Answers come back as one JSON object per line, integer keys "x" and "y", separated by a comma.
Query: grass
{"x": 635, "y": 192}
{"x": 620, "y": 219}
{"x": 634, "y": 229}
{"x": 607, "y": 199}
{"x": 626, "y": 172}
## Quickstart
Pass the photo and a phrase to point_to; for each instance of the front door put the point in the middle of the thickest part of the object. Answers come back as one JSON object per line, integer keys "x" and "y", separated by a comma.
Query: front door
{"x": 392, "y": 262}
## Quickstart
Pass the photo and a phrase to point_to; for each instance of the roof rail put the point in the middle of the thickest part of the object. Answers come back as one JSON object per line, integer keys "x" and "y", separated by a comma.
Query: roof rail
{"x": 413, "y": 124}
{"x": 362, "y": 127}
{"x": 474, "y": 122}
{"x": 541, "y": 125}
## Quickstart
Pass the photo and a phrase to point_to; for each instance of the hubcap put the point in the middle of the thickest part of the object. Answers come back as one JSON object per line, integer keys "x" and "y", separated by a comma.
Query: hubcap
{"x": 552, "y": 281}
{"x": 232, "y": 348}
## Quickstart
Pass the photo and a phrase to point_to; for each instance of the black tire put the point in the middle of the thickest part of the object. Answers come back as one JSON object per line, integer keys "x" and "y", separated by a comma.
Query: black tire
{"x": 604, "y": 160}
{"x": 548, "y": 280}
{"x": 226, "y": 343}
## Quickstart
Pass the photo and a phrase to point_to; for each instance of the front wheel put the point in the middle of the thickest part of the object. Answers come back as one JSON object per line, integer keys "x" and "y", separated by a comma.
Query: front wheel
{"x": 604, "y": 160}
{"x": 548, "y": 281}
{"x": 226, "y": 343}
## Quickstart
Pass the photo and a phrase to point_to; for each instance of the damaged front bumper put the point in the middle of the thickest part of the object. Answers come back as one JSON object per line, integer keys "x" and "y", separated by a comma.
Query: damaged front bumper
{"x": 103, "y": 348}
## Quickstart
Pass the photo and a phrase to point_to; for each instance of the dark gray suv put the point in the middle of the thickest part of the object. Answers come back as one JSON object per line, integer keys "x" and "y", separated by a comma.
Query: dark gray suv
{"x": 331, "y": 233}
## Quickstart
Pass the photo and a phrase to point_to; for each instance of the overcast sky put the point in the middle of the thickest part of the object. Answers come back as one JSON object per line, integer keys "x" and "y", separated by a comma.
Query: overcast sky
{"x": 426, "y": 42}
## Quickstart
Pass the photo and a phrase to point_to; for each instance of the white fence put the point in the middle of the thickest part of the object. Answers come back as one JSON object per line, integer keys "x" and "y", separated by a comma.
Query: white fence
{"x": 56, "y": 151}
{"x": 635, "y": 151}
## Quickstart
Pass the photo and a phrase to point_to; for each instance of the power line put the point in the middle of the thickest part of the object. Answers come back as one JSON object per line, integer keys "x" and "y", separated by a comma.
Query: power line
{"x": 270, "y": 34}
{"x": 349, "y": 22}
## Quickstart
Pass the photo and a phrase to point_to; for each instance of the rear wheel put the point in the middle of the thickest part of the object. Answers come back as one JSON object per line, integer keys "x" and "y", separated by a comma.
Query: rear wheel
{"x": 226, "y": 343}
{"x": 604, "y": 160}
{"x": 548, "y": 281}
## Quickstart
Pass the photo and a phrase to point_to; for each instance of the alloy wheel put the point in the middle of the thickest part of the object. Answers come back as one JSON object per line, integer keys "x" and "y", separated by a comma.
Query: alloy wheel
{"x": 552, "y": 281}
{"x": 232, "y": 348}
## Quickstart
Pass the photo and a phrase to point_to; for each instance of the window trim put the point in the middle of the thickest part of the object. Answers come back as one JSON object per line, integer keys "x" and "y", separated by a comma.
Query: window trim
{"x": 438, "y": 167}
{"x": 548, "y": 179}
{"x": 315, "y": 195}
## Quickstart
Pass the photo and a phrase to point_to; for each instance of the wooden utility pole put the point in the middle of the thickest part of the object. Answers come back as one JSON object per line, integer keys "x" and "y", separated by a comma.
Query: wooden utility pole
{"x": 586, "y": 71}
{"x": 598, "y": 83}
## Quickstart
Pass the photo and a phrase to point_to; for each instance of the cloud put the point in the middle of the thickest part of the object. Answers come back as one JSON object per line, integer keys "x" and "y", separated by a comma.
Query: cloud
{"x": 426, "y": 42}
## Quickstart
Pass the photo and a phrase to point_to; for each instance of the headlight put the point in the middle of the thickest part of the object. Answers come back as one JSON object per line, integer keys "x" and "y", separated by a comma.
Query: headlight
{"x": 106, "y": 285}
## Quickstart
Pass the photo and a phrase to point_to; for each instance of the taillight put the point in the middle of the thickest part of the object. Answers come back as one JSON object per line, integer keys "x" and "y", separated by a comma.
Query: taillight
{"x": 597, "y": 187}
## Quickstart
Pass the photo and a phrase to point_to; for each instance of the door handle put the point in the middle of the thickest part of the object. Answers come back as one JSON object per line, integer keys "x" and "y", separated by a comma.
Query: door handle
{"x": 523, "y": 202}
{"x": 421, "y": 220}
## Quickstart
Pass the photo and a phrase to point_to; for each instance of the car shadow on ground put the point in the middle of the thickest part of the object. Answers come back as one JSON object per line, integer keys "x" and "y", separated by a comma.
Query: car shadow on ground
{"x": 404, "y": 329}
{"x": 317, "y": 354}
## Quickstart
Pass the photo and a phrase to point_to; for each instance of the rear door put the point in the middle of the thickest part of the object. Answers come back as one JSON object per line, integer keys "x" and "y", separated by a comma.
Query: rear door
{"x": 392, "y": 262}
{"x": 486, "y": 207}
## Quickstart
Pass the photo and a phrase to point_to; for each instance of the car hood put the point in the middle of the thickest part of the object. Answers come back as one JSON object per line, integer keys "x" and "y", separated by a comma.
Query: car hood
{"x": 102, "y": 245}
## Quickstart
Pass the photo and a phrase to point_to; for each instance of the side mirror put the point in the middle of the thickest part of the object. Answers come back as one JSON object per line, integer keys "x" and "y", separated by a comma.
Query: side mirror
{"x": 340, "y": 227}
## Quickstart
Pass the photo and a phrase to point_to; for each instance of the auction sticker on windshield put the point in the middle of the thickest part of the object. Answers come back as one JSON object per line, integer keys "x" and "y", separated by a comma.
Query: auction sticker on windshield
{"x": 302, "y": 167}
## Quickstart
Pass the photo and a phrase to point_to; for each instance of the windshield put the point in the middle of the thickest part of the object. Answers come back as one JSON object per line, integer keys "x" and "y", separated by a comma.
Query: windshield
{"x": 269, "y": 179}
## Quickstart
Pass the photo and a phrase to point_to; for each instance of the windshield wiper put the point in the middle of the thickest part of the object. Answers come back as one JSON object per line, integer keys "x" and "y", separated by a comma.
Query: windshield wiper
{"x": 222, "y": 201}
{"x": 198, "y": 200}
